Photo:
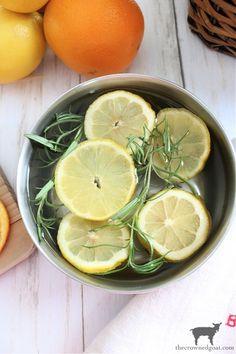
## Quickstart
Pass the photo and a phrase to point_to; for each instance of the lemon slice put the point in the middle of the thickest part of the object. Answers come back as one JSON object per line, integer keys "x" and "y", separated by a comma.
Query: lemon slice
{"x": 177, "y": 222}
{"x": 191, "y": 153}
{"x": 4, "y": 225}
{"x": 96, "y": 179}
{"x": 117, "y": 115}
{"x": 92, "y": 251}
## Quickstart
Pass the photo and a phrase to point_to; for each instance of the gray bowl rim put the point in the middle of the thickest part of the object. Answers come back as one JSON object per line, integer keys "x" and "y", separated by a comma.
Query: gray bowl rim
{"x": 27, "y": 216}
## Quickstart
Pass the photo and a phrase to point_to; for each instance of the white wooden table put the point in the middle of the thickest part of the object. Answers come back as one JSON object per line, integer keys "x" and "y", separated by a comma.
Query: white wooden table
{"x": 41, "y": 309}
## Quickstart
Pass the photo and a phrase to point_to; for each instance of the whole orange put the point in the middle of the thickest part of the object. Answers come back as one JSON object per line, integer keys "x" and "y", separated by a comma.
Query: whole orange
{"x": 94, "y": 36}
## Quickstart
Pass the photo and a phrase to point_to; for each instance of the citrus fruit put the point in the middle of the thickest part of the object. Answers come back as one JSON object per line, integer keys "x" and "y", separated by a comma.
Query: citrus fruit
{"x": 96, "y": 179}
{"x": 190, "y": 143}
{"x": 177, "y": 222}
{"x": 117, "y": 115}
{"x": 89, "y": 250}
{"x": 94, "y": 37}
{"x": 4, "y": 225}
{"x": 22, "y": 44}
{"x": 23, "y": 6}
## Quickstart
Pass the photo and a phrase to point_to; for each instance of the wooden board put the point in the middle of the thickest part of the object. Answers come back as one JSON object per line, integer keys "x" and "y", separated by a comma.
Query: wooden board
{"x": 19, "y": 245}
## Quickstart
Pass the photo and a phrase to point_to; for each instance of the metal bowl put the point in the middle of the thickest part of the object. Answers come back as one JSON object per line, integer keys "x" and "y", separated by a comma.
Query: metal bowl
{"x": 216, "y": 183}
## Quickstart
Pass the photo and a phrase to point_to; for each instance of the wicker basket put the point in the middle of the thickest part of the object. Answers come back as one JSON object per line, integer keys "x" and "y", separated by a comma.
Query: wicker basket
{"x": 214, "y": 21}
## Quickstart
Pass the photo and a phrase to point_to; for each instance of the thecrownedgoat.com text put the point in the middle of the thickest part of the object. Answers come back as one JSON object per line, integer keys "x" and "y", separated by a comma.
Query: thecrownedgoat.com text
{"x": 207, "y": 347}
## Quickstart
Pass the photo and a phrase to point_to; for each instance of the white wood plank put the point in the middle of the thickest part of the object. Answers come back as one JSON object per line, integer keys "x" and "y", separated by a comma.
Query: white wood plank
{"x": 41, "y": 308}
{"x": 100, "y": 307}
{"x": 210, "y": 75}
{"x": 157, "y": 56}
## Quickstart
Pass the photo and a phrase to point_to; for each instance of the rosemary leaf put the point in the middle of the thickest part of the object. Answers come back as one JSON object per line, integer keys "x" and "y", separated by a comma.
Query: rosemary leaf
{"x": 43, "y": 141}
{"x": 44, "y": 191}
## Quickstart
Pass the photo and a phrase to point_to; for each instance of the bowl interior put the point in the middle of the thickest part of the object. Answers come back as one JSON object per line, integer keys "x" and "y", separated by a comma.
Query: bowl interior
{"x": 216, "y": 183}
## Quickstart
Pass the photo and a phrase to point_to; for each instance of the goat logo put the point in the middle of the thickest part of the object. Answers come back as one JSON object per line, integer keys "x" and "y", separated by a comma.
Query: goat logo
{"x": 205, "y": 331}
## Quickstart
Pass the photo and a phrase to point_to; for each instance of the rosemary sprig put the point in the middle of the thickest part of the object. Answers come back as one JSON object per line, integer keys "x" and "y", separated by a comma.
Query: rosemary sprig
{"x": 57, "y": 143}
{"x": 57, "y": 140}
{"x": 44, "y": 224}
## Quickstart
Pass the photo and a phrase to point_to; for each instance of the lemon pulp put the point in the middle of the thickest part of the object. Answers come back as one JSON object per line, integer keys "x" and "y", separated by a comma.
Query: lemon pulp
{"x": 191, "y": 138}
{"x": 117, "y": 115}
{"x": 177, "y": 222}
{"x": 91, "y": 250}
{"x": 95, "y": 180}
